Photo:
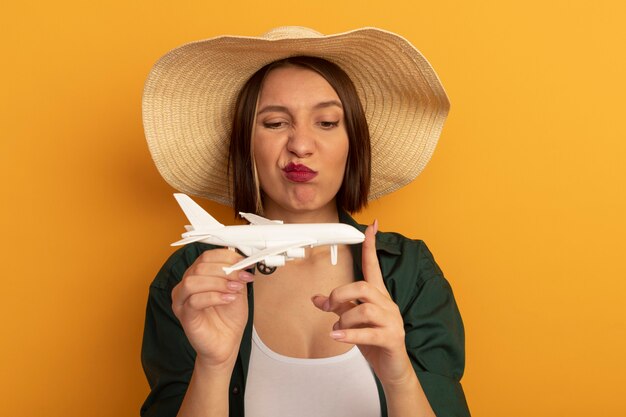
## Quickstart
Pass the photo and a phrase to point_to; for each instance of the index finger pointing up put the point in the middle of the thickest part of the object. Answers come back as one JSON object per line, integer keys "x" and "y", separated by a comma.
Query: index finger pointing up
{"x": 369, "y": 262}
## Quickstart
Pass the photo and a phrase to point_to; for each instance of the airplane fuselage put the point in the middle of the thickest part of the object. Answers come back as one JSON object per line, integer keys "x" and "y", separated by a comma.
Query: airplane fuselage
{"x": 265, "y": 236}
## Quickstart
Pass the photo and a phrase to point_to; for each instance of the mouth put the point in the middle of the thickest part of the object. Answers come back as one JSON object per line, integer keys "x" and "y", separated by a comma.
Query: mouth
{"x": 298, "y": 172}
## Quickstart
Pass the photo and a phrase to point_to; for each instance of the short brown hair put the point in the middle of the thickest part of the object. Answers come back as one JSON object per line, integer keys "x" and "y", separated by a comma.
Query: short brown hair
{"x": 354, "y": 190}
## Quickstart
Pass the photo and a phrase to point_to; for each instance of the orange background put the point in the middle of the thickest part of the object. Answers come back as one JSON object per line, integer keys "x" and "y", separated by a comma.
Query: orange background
{"x": 522, "y": 204}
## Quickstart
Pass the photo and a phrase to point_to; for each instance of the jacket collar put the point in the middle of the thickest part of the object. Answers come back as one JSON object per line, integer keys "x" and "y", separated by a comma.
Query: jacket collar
{"x": 386, "y": 244}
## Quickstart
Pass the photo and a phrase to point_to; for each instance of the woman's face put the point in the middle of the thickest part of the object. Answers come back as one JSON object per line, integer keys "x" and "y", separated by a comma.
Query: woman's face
{"x": 299, "y": 141}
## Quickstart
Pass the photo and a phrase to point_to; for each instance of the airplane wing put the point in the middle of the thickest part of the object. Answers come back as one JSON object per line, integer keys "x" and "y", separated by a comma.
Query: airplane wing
{"x": 273, "y": 250}
{"x": 188, "y": 240}
{"x": 254, "y": 219}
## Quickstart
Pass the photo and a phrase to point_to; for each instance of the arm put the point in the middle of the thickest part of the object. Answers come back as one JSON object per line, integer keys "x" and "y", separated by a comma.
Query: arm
{"x": 414, "y": 342}
{"x": 406, "y": 397}
{"x": 435, "y": 339}
{"x": 192, "y": 334}
{"x": 369, "y": 318}
{"x": 207, "y": 394}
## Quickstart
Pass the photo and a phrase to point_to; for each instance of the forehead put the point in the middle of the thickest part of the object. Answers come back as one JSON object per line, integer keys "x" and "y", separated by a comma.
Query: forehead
{"x": 293, "y": 84}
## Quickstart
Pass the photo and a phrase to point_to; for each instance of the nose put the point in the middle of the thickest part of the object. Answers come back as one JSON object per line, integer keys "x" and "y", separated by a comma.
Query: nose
{"x": 301, "y": 141}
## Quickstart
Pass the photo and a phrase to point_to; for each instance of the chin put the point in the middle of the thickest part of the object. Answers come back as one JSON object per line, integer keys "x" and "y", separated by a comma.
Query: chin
{"x": 298, "y": 204}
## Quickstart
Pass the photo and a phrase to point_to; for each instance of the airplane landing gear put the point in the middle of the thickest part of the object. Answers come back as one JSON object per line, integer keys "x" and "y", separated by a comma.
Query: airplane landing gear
{"x": 264, "y": 269}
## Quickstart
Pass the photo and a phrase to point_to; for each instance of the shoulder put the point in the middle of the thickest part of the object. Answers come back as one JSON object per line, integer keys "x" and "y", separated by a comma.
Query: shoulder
{"x": 173, "y": 269}
{"x": 400, "y": 257}
{"x": 398, "y": 251}
{"x": 408, "y": 267}
{"x": 409, "y": 257}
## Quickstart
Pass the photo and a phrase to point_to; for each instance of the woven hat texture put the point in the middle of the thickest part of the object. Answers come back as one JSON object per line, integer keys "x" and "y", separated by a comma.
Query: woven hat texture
{"x": 190, "y": 94}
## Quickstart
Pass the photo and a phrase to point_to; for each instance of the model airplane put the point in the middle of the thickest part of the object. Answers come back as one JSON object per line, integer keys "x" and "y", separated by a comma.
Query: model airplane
{"x": 267, "y": 243}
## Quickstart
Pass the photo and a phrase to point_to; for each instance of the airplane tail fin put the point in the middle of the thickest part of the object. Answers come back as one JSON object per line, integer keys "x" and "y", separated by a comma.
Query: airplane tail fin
{"x": 198, "y": 217}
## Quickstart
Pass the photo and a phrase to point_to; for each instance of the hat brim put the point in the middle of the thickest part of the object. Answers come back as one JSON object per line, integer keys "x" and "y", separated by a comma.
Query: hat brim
{"x": 190, "y": 94}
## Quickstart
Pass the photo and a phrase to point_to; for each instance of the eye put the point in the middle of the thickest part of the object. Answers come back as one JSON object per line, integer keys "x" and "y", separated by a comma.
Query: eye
{"x": 274, "y": 125}
{"x": 328, "y": 124}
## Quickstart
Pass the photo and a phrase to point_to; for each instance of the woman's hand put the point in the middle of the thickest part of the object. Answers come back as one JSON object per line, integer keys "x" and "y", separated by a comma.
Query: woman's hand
{"x": 213, "y": 307}
{"x": 370, "y": 319}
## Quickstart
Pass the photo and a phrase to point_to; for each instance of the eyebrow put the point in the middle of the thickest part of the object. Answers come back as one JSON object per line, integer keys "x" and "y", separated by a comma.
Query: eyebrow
{"x": 328, "y": 103}
{"x": 284, "y": 109}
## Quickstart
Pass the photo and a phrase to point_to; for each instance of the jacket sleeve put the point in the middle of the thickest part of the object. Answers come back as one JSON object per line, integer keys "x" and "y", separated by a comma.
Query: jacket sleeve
{"x": 166, "y": 355}
{"x": 435, "y": 337}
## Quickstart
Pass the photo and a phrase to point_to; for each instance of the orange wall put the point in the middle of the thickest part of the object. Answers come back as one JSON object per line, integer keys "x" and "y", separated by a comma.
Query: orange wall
{"x": 523, "y": 203}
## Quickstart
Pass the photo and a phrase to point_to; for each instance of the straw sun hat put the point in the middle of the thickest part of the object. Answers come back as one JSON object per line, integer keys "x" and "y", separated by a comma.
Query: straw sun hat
{"x": 190, "y": 94}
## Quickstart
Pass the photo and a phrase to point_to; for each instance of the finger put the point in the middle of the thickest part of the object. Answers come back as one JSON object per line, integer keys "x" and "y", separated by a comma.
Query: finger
{"x": 204, "y": 300}
{"x": 220, "y": 256}
{"x": 357, "y": 292}
{"x": 322, "y": 302}
{"x": 196, "y": 284}
{"x": 369, "y": 261}
{"x": 207, "y": 269}
{"x": 364, "y": 337}
{"x": 363, "y": 315}
{"x": 217, "y": 270}
{"x": 384, "y": 338}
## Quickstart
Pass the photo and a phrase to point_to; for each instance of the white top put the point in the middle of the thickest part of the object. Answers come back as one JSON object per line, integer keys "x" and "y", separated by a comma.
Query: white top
{"x": 282, "y": 386}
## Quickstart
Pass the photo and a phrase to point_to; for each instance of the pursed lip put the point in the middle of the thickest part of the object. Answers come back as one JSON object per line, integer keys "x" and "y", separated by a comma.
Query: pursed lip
{"x": 299, "y": 172}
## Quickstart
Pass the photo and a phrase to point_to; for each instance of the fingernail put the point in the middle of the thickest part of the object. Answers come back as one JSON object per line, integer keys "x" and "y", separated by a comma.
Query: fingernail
{"x": 337, "y": 334}
{"x": 234, "y": 285}
{"x": 326, "y": 306}
{"x": 228, "y": 297}
{"x": 375, "y": 226}
{"x": 246, "y": 276}
{"x": 336, "y": 325}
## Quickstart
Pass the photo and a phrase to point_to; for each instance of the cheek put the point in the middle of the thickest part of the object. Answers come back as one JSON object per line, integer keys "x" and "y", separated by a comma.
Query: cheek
{"x": 265, "y": 157}
{"x": 341, "y": 156}
{"x": 337, "y": 159}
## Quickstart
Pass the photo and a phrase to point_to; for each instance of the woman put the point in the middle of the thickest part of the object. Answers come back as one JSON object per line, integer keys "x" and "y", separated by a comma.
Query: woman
{"x": 378, "y": 333}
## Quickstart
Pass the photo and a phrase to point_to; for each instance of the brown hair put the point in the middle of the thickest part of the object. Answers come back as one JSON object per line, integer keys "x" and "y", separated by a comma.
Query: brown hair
{"x": 353, "y": 193}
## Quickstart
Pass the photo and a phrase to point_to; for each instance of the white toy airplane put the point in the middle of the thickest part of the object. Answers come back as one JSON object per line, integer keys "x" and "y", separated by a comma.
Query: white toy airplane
{"x": 267, "y": 243}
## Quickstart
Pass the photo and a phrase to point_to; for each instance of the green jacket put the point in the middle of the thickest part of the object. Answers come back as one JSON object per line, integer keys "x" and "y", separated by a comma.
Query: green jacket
{"x": 432, "y": 323}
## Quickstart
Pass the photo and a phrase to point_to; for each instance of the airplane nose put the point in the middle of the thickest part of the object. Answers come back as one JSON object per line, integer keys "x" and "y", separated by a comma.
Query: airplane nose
{"x": 356, "y": 236}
